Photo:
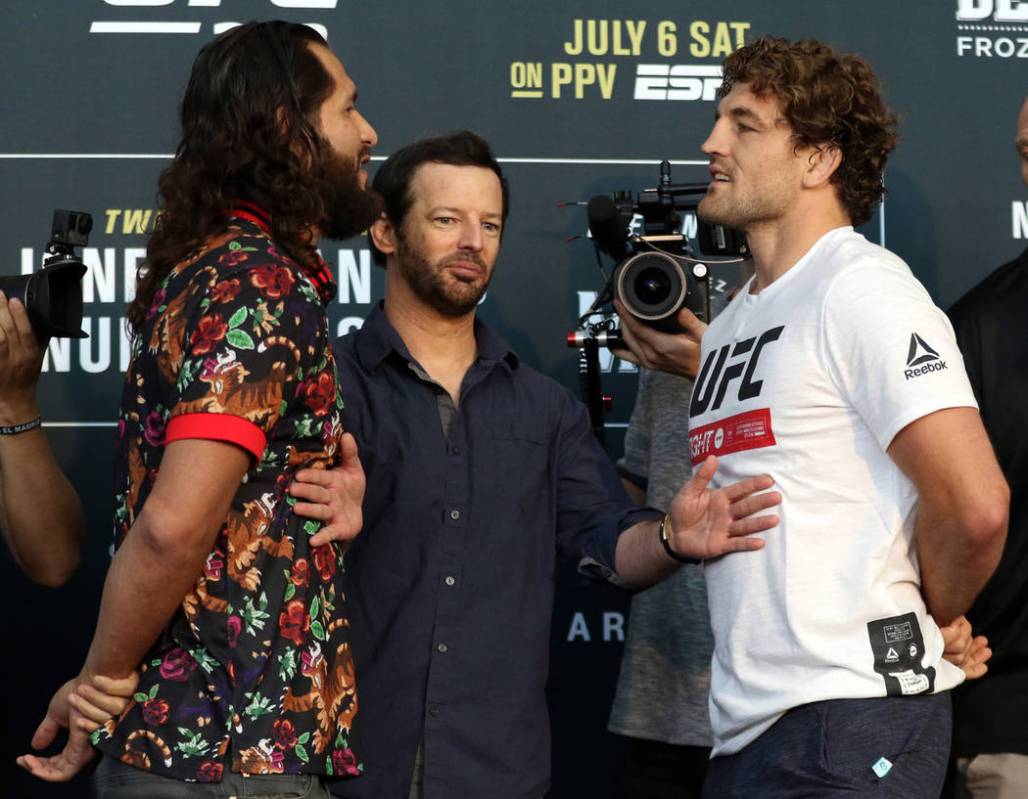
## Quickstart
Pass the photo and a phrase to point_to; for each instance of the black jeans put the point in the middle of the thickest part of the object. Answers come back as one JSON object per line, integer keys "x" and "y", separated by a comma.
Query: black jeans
{"x": 832, "y": 749}
{"x": 114, "y": 780}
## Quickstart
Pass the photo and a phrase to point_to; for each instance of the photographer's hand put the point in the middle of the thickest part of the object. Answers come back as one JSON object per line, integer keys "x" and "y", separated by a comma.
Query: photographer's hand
{"x": 21, "y": 359}
{"x": 40, "y": 513}
{"x": 675, "y": 353}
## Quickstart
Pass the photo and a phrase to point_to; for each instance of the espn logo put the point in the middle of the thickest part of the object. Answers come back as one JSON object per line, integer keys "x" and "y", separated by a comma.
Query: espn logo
{"x": 676, "y": 81}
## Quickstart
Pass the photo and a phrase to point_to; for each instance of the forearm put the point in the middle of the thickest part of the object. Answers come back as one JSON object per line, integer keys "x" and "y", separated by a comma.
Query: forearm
{"x": 145, "y": 585}
{"x": 956, "y": 559}
{"x": 640, "y": 560}
{"x": 40, "y": 513}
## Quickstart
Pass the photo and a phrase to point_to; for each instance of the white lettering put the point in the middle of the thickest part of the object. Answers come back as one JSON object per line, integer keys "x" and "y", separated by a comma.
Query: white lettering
{"x": 1011, "y": 11}
{"x": 578, "y": 628}
{"x": 304, "y": 3}
{"x": 686, "y": 81}
{"x": 103, "y": 276}
{"x": 348, "y": 324}
{"x": 1019, "y": 219}
{"x": 963, "y": 44}
{"x": 613, "y": 626}
{"x": 28, "y": 261}
{"x": 59, "y": 352}
{"x": 354, "y": 276}
{"x": 973, "y": 10}
{"x": 101, "y": 341}
{"x": 1004, "y": 47}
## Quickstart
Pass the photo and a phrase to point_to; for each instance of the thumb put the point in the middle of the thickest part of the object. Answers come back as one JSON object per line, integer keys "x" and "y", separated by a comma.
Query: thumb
{"x": 347, "y": 449}
{"x": 45, "y": 733}
{"x": 692, "y": 324}
{"x": 701, "y": 477}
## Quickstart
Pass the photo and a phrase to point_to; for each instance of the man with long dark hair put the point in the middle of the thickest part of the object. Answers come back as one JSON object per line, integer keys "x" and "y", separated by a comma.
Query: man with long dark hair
{"x": 219, "y": 594}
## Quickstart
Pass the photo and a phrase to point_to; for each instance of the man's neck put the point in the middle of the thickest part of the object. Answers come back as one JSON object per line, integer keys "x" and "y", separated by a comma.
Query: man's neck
{"x": 443, "y": 345}
{"x": 777, "y": 246}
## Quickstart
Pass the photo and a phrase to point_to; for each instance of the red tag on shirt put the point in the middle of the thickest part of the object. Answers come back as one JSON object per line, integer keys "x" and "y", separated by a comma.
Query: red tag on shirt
{"x": 750, "y": 430}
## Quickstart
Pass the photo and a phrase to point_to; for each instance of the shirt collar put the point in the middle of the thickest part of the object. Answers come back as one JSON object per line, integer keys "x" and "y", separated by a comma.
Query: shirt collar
{"x": 320, "y": 273}
{"x": 377, "y": 339}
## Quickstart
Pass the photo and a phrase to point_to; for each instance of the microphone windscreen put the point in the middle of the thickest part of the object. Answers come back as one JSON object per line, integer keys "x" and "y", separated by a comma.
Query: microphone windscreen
{"x": 606, "y": 225}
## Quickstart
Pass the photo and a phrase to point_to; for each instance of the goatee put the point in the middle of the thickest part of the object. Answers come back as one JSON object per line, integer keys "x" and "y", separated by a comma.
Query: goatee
{"x": 429, "y": 284}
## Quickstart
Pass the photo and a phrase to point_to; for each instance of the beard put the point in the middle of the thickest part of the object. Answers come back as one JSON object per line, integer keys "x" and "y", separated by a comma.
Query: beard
{"x": 430, "y": 283}
{"x": 349, "y": 207}
{"x": 739, "y": 210}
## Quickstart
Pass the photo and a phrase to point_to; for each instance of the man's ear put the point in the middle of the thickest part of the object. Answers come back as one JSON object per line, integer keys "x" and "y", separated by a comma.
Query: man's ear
{"x": 821, "y": 165}
{"x": 383, "y": 234}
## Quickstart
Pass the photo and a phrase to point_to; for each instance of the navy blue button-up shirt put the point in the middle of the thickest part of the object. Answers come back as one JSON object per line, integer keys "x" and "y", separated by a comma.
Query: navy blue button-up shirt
{"x": 450, "y": 584}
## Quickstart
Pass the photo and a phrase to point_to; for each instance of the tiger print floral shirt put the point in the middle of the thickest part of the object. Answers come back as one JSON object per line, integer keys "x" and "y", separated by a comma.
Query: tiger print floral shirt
{"x": 254, "y": 671}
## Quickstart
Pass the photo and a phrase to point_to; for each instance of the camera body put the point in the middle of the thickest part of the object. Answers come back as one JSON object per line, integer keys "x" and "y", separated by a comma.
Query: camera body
{"x": 53, "y": 295}
{"x": 657, "y": 273}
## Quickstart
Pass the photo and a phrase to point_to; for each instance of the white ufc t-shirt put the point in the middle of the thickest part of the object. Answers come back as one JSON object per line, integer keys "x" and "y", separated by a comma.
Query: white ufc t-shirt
{"x": 809, "y": 381}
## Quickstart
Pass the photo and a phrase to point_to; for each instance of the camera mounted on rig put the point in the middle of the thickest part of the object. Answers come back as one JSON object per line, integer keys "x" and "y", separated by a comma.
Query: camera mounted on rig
{"x": 656, "y": 274}
{"x": 53, "y": 295}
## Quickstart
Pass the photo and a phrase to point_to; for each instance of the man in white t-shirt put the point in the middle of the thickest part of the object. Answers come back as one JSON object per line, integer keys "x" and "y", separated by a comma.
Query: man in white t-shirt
{"x": 833, "y": 372}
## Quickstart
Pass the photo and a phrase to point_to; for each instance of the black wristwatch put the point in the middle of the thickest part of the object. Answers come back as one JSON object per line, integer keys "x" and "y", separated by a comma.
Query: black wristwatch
{"x": 664, "y": 532}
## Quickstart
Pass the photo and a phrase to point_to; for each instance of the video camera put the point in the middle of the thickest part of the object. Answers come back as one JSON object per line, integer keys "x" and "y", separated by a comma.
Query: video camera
{"x": 656, "y": 273}
{"x": 53, "y": 295}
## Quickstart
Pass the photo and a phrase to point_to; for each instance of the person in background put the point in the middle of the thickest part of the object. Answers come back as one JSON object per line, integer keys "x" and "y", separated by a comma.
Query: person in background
{"x": 989, "y": 739}
{"x": 40, "y": 513}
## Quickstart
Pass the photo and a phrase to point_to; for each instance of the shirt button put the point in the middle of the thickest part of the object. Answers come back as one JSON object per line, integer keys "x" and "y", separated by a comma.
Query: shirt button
{"x": 433, "y": 710}
{"x": 450, "y": 580}
{"x": 455, "y": 449}
{"x": 442, "y": 648}
{"x": 455, "y": 514}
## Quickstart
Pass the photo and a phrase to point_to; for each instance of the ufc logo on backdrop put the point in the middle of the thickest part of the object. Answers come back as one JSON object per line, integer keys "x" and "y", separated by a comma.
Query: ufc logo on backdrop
{"x": 215, "y": 3}
{"x": 150, "y": 25}
{"x": 715, "y": 377}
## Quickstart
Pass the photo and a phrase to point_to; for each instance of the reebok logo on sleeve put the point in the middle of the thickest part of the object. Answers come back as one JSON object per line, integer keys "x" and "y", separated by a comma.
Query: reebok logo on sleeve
{"x": 921, "y": 358}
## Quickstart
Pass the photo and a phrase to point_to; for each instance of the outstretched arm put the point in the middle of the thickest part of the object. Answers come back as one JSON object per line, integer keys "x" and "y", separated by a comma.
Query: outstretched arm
{"x": 705, "y": 523}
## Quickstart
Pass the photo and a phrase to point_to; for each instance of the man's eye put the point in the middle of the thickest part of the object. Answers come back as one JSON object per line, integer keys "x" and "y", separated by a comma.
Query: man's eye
{"x": 444, "y": 220}
{"x": 491, "y": 228}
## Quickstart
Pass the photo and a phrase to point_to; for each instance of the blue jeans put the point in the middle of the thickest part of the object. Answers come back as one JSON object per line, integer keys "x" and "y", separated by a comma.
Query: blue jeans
{"x": 114, "y": 780}
{"x": 829, "y": 749}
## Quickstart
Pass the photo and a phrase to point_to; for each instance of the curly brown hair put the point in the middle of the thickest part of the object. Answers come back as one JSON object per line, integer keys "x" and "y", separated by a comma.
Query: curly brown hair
{"x": 247, "y": 133}
{"x": 829, "y": 99}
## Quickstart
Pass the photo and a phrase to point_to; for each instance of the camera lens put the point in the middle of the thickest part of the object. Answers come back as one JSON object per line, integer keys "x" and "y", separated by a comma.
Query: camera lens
{"x": 652, "y": 286}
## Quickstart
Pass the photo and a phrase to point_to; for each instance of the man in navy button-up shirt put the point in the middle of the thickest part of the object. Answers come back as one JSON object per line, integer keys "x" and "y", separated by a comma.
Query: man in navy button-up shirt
{"x": 479, "y": 470}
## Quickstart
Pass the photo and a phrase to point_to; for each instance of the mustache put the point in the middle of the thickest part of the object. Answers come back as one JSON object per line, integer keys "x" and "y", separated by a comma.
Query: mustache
{"x": 471, "y": 257}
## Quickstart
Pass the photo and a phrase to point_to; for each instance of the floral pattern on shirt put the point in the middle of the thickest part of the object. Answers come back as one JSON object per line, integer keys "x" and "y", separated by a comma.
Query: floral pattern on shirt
{"x": 254, "y": 672}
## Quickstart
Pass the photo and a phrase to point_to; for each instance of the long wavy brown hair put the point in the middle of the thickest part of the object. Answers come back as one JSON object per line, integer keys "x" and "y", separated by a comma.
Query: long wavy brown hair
{"x": 828, "y": 98}
{"x": 247, "y": 133}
